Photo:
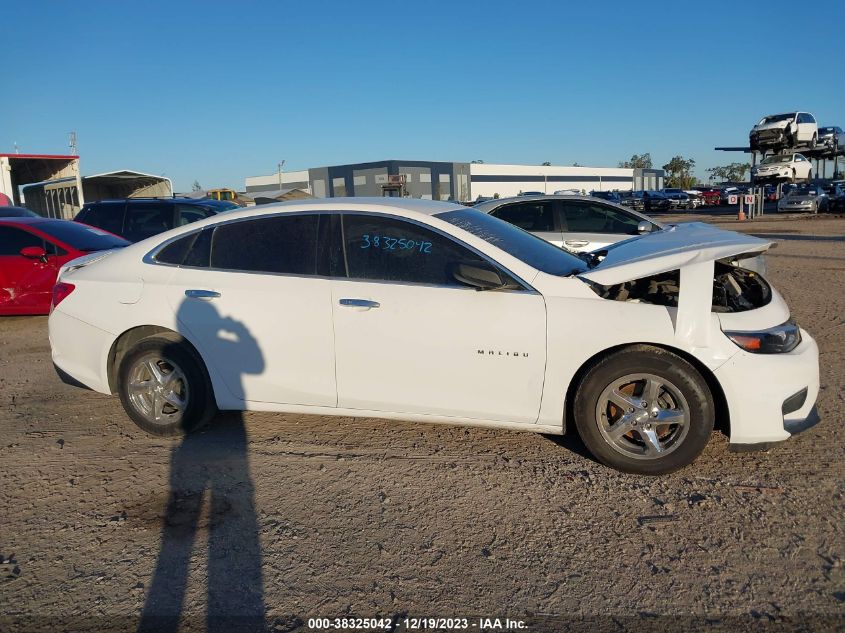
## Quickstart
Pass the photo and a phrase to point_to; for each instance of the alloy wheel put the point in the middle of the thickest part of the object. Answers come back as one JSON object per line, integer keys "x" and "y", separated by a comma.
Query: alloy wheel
{"x": 158, "y": 389}
{"x": 643, "y": 416}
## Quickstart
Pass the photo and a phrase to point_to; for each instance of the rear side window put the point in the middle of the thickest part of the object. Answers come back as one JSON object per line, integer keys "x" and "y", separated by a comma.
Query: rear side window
{"x": 145, "y": 219}
{"x": 12, "y": 240}
{"x": 280, "y": 244}
{"x": 175, "y": 252}
{"x": 108, "y": 217}
{"x": 529, "y": 216}
{"x": 390, "y": 249}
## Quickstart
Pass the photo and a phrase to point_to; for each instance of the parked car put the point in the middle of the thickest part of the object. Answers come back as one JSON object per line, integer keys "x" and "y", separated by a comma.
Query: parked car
{"x": 610, "y": 196}
{"x": 695, "y": 198}
{"x": 32, "y": 250}
{"x": 568, "y": 192}
{"x": 832, "y": 138}
{"x": 711, "y": 196}
{"x": 807, "y": 197}
{"x": 536, "y": 339}
{"x": 836, "y": 195}
{"x": 531, "y": 193}
{"x": 137, "y": 219}
{"x": 784, "y": 131}
{"x": 678, "y": 198}
{"x": 789, "y": 167}
{"x": 17, "y": 212}
{"x": 655, "y": 201}
{"x": 576, "y": 223}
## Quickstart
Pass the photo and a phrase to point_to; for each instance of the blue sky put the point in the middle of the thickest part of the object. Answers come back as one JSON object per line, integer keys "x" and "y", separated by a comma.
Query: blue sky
{"x": 216, "y": 91}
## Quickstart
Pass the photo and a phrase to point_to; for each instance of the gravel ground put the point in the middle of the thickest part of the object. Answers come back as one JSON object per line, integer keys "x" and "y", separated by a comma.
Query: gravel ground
{"x": 289, "y": 517}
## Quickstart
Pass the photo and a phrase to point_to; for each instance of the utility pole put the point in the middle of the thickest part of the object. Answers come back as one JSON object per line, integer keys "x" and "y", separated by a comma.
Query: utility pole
{"x": 72, "y": 143}
{"x": 282, "y": 164}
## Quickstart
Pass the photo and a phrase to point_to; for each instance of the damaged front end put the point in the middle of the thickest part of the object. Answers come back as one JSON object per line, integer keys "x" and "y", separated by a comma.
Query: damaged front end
{"x": 693, "y": 269}
{"x": 734, "y": 289}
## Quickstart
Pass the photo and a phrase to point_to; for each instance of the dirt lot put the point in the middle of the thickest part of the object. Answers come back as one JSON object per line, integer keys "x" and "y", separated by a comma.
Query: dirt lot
{"x": 294, "y": 516}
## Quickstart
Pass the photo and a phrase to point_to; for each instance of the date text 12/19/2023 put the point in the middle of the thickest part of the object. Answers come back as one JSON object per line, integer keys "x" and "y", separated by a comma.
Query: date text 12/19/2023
{"x": 416, "y": 624}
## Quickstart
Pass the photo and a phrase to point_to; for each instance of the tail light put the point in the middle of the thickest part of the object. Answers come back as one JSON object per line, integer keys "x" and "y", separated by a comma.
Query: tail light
{"x": 60, "y": 291}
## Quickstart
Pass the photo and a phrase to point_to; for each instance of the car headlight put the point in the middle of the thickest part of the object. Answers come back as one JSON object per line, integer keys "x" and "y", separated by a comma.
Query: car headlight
{"x": 780, "y": 339}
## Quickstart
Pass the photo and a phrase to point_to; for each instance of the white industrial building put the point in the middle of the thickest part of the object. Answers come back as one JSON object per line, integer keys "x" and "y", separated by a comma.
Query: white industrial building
{"x": 452, "y": 181}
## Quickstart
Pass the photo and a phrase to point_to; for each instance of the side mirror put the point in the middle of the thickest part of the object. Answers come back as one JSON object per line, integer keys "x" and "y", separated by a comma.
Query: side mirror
{"x": 34, "y": 252}
{"x": 480, "y": 275}
{"x": 645, "y": 227}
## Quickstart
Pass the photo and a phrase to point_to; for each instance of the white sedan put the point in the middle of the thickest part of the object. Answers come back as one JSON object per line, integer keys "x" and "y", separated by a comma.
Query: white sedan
{"x": 783, "y": 167}
{"x": 430, "y": 311}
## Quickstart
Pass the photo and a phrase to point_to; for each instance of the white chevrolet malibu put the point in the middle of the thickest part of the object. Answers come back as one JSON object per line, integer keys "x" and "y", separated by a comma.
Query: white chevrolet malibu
{"x": 434, "y": 312}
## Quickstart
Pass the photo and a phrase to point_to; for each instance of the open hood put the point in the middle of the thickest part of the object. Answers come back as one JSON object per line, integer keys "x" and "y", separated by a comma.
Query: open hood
{"x": 673, "y": 248}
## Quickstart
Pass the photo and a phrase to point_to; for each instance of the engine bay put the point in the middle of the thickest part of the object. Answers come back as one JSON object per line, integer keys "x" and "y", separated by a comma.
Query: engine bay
{"x": 734, "y": 289}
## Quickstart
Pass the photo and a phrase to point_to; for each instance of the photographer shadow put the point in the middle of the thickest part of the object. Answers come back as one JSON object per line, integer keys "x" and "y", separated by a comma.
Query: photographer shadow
{"x": 212, "y": 464}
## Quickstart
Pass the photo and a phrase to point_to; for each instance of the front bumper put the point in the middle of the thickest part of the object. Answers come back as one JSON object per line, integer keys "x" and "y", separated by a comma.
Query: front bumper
{"x": 768, "y": 138}
{"x": 760, "y": 390}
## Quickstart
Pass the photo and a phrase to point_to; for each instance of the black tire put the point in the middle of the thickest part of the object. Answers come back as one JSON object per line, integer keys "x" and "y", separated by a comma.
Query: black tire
{"x": 194, "y": 385}
{"x": 814, "y": 141}
{"x": 676, "y": 373}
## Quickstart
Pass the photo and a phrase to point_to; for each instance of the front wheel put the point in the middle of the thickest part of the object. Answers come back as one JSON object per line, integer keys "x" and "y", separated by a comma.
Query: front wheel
{"x": 164, "y": 387}
{"x": 644, "y": 410}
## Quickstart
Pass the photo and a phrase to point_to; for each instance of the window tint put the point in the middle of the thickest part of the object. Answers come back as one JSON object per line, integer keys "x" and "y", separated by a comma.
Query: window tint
{"x": 187, "y": 213}
{"x": 108, "y": 217}
{"x": 530, "y": 216}
{"x": 588, "y": 217}
{"x": 281, "y": 244}
{"x": 200, "y": 253}
{"x": 391, "y": 249}
{"x": 174, "y": 253}
{"x": 13, "y": 240}
{"x": 145, "y": 219}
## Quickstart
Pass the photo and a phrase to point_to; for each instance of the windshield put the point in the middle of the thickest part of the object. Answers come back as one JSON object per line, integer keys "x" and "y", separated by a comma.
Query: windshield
{"x": 771, "y": 160}
{"x": 534, "y": 251}
{"x": 803, "y": 190}
{"x": 775, "y": 118}
{"x": 81, "y": 236}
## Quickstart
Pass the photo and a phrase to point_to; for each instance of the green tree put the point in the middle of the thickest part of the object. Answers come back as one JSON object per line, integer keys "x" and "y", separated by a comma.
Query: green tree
{"x": 638, "y": 161}
{"x": 679, "y": 172}
{"x": 735, "y": 172}
{"x": 196, "y": 186}
{"x": 546, "y": 164}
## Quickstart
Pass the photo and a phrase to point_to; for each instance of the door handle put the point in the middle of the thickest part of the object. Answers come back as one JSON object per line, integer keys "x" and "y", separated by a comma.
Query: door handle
{"x": 202, "y": 294}
{"x": 576, "y": 243}
{"x": 359, "y": 303}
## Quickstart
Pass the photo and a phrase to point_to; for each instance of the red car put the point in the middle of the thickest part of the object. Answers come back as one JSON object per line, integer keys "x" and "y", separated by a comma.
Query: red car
{"x": 31, "y": 252}
{"x": 710, "y": 195}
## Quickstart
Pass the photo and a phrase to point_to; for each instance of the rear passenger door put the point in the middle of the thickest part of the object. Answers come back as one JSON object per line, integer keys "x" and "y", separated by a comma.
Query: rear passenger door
{"x": 588, "y": 225}
{"x": 26, "y": 283}
{"x": 145, "y": 219}
{"x": 255, "y": 298}
{"x": 535, "y": 216}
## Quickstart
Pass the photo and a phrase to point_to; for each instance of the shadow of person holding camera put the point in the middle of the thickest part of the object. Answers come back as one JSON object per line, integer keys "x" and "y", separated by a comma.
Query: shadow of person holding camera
{"x": 210, "y": 470}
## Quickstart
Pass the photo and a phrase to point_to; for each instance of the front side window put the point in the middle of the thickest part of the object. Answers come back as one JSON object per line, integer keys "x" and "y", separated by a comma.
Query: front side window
{"x": 588, "y": 217}
{"x": 278, "y": 244}
{"x": 12, "y": 240}
{"x": 391, "y": 249}
{"x": 529, "y": 216}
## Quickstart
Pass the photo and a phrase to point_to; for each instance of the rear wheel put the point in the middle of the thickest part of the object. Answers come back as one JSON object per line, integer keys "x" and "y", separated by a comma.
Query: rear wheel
{"x": 164, "y": 387}
{"x": 814, "y": 141}
{"x": 644, "y": 410}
